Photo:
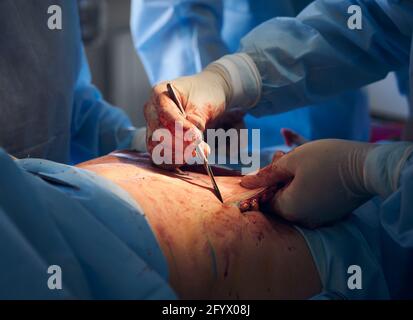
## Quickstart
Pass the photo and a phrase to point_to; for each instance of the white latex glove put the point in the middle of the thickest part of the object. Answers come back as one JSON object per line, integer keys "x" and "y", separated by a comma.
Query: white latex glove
{"x": 322, "y": 181}
{"x": 203, "y": 96}
{"x": 209, "y": 97}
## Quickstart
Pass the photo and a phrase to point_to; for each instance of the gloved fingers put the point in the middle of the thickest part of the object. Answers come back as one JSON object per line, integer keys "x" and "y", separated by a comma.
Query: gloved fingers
{"x": 162, "y": 113}
{"x": 205, "y": 148}
{"x": 171, "y": 118}
{"x": 289, "y": 204}
{"x": 270, "y": 175}
{"x": 169, "y": 113}
{"x": 277, "y": 156}
{"x": 175, "y": 155}
{"x": 197, "y": 119}
{"x": 192, "y": 151}
{"x": 260, "y": 179}
{"x": 284, "y": 202}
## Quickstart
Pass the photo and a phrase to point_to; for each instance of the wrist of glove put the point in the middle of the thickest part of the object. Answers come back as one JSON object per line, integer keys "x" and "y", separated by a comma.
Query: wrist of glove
{"x": 242, "y": 78}
{"x": 383, "y": 167}
{"x": 203, "y": 96}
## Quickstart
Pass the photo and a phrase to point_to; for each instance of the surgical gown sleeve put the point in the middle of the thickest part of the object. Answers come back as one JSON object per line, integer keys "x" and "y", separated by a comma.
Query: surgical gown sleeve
{"x": 388, "y": 172}
{"x": 97, "y": 127}
{"x": 390, "y": 168}
{"x": 175, "y": 38}
{"x": 306, "y": 59}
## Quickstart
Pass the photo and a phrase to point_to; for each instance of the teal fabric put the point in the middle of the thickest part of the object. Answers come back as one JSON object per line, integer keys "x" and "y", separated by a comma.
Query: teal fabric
{"x": 336, "y": 248}
{"x": 50, "y": 109}
{"x": 53, "y": 214}
{"x": 314, "y": 56}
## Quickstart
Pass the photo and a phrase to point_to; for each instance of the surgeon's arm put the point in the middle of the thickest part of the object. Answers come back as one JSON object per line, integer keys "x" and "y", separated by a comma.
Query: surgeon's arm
{"x": 97, "y": 127}
{"x": 175, "y": 38}
{"x": 306, "y": 59}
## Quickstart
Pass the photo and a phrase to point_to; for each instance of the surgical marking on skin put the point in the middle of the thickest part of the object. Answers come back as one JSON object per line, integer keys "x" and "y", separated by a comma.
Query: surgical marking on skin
{"x": 214, "y": 258}
{"x": 226, "y": 264}
{"x": 162, "y": 232}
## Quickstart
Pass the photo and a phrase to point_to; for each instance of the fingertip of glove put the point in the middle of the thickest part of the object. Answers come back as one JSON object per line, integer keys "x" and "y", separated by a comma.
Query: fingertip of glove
{"x": 252, "y": 181}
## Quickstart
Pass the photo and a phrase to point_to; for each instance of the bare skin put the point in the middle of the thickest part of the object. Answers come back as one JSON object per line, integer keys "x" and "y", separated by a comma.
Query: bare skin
{"x": 213, "y": 250}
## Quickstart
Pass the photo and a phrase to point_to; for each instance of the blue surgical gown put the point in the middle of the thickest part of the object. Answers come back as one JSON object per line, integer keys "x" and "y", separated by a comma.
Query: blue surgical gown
{"x": 49, "y": 108}
{"x": 57, "y": 215}
{"x": 329, "y": 58}
{"x": 314, "y": 56}
{"x": 175, "y": 38}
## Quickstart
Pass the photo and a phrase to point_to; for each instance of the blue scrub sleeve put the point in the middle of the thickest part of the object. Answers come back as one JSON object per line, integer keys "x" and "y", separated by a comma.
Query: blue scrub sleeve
{"x": 377, "y": 237}
{"x": 53, "y": 214}
{"x": 97, "y": 127}
{"x": 306, "y": 59}
{"x": 338, "y": 247}
{"x": 176, "y": 38}
{"x": 383, "y": 167}
{"x": 396, "y": 238}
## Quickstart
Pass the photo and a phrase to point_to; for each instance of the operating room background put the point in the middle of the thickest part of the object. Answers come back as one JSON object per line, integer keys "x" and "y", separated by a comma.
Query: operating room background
{"x": 116, "y": 68}
{"x": 119, "y": 74}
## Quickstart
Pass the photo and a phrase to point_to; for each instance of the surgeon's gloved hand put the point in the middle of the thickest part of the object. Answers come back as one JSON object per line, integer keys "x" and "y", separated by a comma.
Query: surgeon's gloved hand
{"x": 209, "y": 98}
{"x": 320, "y": 181}
{"x": 203, "y": 97}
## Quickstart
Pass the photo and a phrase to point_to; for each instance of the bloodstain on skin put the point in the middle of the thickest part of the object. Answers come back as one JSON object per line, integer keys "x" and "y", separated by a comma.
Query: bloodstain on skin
{"x": 258, "y": 226}
{"x": 292, "y": 138}
{"x": 254, "y": 203}
{"x": 210, "y": 250}
{"x": 185, "y": 222}
{"x": 260, "y": 236}
{"x": 288, "y": 136}
{"x": 245, "y": 206}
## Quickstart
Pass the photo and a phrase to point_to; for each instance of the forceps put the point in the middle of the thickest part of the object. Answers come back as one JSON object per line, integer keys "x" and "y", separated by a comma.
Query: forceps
{"x": 200, "y": 152}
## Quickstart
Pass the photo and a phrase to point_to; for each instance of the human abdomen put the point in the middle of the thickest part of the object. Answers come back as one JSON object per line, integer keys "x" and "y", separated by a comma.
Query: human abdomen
{"x": 213, "y": 250}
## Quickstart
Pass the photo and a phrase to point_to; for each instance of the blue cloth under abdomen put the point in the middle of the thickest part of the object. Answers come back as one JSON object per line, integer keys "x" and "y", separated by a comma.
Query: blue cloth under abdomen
{"x": 53, "y": 214}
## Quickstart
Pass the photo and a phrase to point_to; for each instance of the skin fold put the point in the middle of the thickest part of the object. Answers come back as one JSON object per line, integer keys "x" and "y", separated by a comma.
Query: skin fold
{"x": 213, "y": 250}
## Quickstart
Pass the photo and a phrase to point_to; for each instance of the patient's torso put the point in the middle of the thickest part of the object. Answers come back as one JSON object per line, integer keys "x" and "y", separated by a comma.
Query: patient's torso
{"x": 213, "y": 250}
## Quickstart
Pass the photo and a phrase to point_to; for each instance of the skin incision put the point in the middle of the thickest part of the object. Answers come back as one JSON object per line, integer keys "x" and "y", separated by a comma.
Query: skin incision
{"x": 214, "y": 250}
